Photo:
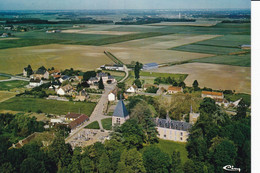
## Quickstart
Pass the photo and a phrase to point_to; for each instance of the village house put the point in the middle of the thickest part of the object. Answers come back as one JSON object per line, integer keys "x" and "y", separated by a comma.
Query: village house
{"x": 149, "y": 85}
{"x": 64, "y": 78}
{"x": 172, "y": 130}
{"x": 93, "y": 80}
{"x": 54, "y": 85}
{"x": 79, "y": 78}
{"x": 120, "y": 114}
{"x": 57, "y": 121}
{"x": 65, "y": 90}
{"x": 72, "y": 116}
{"x": 161, "y": 91}
{"x": 82, "y": 96}
{"x": 131, "y": 89}
{"x": 116, "y": 67}
{"x": 25, "y": 72}
{"x": 35, "y": 82}
{"x": 174, "y": 90}
{"x": 78, "y": 121}
{"x": 213, "y": 95}
{"x": 111, "y": 79}
{"x": 104, "y": 76}
{"x": 112, "y": 95}
{"x": 54, "y": 72}
{"x": 40, "y": 74}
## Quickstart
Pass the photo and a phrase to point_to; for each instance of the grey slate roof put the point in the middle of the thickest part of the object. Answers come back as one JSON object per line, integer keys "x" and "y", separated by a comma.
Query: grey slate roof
{"x": 172, "y": 124}
{"x": 40, "y": 71}
{"x": 120, "y": 110}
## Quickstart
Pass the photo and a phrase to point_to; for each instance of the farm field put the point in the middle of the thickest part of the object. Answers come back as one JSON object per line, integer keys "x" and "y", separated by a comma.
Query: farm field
{"x": 83, "y": 57}
{"x": 169, "y": 146}
{"x": 4, "y": 95}
{"x": 218, "y": 50}
{"x": 236, "y": 60}
{"x": 164, "y": 42}
{"x": 96, "y": 32}
{"x": 13, "y": 84}
{"x": 150, "y": 55}
{"x": 58, "y": 56}
{"x": 197, "y": 23}
{"x": 46, "y": 106}
{"x": 214, "y": 76}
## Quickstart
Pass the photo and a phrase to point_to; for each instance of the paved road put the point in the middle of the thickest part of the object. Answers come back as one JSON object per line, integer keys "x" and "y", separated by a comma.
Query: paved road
{"x": 126, "y": 74}
{"x": 13, "y": 78}
{"x": 97, "y": 114}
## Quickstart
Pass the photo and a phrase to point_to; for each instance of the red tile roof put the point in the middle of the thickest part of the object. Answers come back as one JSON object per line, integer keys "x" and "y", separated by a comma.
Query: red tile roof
{"x": 72, "y": 115}
{"x": 173, "y": 88}
{"x": 212, "y": 93}
{"x": 78, "y": 121}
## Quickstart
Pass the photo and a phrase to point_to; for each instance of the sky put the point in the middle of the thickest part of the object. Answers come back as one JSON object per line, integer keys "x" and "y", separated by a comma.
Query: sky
{"x": 120, "y": 4}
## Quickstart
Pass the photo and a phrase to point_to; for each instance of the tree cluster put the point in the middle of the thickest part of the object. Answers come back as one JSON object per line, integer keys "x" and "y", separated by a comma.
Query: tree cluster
{"x": 217, "y": 140}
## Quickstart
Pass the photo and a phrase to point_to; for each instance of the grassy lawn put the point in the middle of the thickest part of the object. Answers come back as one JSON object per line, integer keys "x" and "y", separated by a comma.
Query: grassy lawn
{"x": 237, "y": 60}
{"x": 235, "y": 97}
{"x": 169, "y": 146}
{"x": 12, "y": 84}
{"x": 107, "y": 123}
{"x": 47, "y": 106}
{"x": 93, "y": 125}
{"x": 178, "y": 77}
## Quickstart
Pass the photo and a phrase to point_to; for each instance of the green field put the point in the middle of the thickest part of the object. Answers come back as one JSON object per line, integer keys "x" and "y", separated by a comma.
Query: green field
{"x": 218, "y": 50}
{"x": 107, "y": 123}
{"x": 177, "y": 77}
{"x": 232, "y": 41}
{"x": 12, "y": 84}
{"x": 237, "y": 60}
{"x": 4, "y": 77}
{"x": 169, "y": 146}
{"x": 47, "y": 106}
{"x": 93, "y": 125}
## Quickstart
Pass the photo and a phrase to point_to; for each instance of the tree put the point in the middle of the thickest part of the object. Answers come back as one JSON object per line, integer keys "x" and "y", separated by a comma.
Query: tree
{"x": 142, "y": 114}
{"x": 182, "y": 84}
{"x": 60, "y": 151}
{"x": 176, "y": 162}
{"x": 101, "y": 84}
{"x": 189, "y": 167}
{"x": 87, "y": 75}
{"x": 42, "y": 68}
{"x": 138, "y": 83}
{"x": 222, "y": 152}
{"x": 104, "y": 164}
{"x": 208, "y": 106}
{"x": 195, "y": 85}
{"x": 30, "y": 165}
{"x": 131, "y": 161}
{"x": 155, "y": 160}
{"x": 137, "y": 69}
{"x": 87, "y": 165}
{"x": 151, "y": 89}
{"x": 241, "y": 110}
{"x": 132, "y": 134}
{"x": 29, "y": 71}
{"x": 74, "y": 165}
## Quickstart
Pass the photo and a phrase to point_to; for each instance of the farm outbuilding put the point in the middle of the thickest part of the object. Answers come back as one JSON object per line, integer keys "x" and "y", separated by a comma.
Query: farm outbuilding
{"x": 150, "y": 66}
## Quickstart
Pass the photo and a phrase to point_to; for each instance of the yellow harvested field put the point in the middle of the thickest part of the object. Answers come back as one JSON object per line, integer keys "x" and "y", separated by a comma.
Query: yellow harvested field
{"x": 152, "y": 55}
{"x": 54, "y": 55}
{"x": 164, "y": 42}
{"x": 214, "y": 76}
{"x": 83, "y": 57}
{"x": 97, "y": 32}
{"x": 4, "y": 95}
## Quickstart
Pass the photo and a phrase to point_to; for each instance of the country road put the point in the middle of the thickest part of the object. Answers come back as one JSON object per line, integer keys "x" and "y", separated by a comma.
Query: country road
{"x": 97, "y": 114}
{"x": 13, "y": 78}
